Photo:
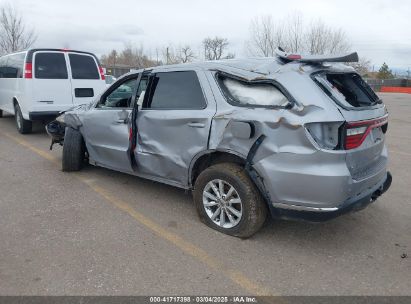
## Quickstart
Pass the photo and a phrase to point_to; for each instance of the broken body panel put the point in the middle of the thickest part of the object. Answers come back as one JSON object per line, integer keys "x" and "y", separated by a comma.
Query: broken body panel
{"x": 291, "y": 169}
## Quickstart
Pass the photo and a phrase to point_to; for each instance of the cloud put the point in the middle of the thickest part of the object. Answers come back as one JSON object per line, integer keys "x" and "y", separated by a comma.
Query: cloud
{"x": 378, "y": 29}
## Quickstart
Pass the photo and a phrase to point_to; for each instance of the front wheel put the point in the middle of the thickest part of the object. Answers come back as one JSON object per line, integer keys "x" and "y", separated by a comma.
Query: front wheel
{"x": 228, "y": 201}
{"x": 73, "y": 150}
{"x": 23, "y": 126}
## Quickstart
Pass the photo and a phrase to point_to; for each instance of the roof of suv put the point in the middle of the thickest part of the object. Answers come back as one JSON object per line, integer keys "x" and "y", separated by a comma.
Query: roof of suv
{"x": 262, "y": 65}
{"x": 253, "y": 68}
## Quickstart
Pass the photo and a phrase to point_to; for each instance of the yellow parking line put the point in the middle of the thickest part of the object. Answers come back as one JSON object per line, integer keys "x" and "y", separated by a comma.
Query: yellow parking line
{"x": 184, "y": 245}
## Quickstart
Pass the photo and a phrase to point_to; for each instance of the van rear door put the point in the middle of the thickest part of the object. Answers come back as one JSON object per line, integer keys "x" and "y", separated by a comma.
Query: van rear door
{"x": 51, "y": 87}
{"x": 86, "y": 79}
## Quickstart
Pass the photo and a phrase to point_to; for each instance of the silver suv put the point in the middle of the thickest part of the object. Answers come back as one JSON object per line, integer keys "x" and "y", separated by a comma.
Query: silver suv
{"x": 298, "y": 137}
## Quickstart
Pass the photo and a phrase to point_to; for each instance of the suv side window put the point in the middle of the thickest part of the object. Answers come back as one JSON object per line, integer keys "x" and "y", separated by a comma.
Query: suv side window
{"x": 174, "y": 90}
{"x": 120, "y": 97}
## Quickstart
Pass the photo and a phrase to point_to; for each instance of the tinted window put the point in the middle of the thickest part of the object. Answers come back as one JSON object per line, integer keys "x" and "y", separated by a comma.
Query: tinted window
{"x": 175, "y": 90}
{"x": 12, "y": 66}
{"x": 83, "y": 67}
{"x": 50, "y": 66}
{"x": 121, "y": 96}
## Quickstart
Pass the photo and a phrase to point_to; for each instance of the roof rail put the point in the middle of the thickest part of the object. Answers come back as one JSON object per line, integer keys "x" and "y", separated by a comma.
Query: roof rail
{"x": 289, "y": 57}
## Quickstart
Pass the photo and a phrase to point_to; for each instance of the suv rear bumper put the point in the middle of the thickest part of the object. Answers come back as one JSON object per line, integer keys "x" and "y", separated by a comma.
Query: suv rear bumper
{"x": 318, "y": 214}
{"x": 45, "y": 116}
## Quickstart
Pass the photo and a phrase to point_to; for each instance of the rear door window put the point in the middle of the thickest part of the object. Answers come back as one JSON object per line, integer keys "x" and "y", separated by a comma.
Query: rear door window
{"x": 348, "y": 89}
{"x": 83, "y": 67}
{"x": 50, "y": 66}
{"x": 175, "y": 90}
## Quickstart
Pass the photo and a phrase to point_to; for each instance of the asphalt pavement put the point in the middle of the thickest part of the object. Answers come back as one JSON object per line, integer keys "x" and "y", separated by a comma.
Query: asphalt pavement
{"x": 100, "y": 232}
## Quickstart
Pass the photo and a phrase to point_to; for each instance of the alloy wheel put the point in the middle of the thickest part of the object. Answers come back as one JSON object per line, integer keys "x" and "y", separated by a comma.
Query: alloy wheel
{"x": 222, "y": 203}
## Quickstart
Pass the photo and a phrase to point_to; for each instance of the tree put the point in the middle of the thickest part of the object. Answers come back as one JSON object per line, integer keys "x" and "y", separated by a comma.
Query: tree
{"x": 14, "y": 35}
{"x": 294, "y": 35}
{"x": 130, "y": 55}
{"x": 321, "y": 39}
{"x": 110, "y": 59}
{"x": 214, "y": 48}
{"x": 181, "y": 54}
{"x": 265, "y": 37}
{"x": 186, "y": 54}
{"x": 384, "y": 72}
{"x": 362, "y": 67}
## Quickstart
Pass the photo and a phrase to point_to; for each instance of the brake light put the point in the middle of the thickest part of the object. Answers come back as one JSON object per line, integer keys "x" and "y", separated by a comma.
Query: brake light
{"x": 357, "y": 132}
{"x": 294, "y": 57}
{"x": 28, "y": 70}
{"x": 100, "y": 69}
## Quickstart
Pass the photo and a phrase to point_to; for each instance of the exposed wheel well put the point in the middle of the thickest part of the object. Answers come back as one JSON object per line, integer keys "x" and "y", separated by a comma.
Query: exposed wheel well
{"x": 213, "y": 158}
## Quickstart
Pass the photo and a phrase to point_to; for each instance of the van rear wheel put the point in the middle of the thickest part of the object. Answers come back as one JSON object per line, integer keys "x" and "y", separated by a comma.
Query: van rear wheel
{"x": 73, "y": 150}
{"x": 228, "y": 201}
{"x": 23, "y": 126}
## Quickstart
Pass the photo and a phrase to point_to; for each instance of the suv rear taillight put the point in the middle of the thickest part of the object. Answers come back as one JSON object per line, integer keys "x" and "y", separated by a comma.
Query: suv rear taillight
{"x": 100, "y": 69}
{"x": 356, "y": 132}
{"x": 28, "y": 70}
{"x": 325, "y": 134}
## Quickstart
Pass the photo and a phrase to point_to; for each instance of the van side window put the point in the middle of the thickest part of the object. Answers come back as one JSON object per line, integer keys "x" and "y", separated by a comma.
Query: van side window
{"x": 12, "y": 66}
{"x": 50, "y": 66}
{"x": 83, "y": 67}
{"x": 174, "y": 90}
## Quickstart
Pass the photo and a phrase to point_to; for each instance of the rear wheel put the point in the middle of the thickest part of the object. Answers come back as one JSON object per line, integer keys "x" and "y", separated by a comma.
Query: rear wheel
{"x": 23, "y": 126}
{"x": 1, "y": 113}
{"x": 228, "y": 201}
{"x": 73, "y": 150}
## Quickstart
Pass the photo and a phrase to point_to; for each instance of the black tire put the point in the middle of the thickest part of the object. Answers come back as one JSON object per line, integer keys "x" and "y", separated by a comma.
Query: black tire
{"x": 1, "y": 113}
{"x": 73, "y": 150}
{"x": 23, "y": 126}
{"x": 254, "y": 208}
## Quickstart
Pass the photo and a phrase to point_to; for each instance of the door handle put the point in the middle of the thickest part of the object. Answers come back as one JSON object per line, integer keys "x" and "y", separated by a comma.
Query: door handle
{"x": 121, "y": 121}
{"x": 196, "y": 125}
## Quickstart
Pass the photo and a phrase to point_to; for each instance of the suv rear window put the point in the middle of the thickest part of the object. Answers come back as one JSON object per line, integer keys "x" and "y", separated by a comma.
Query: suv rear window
{"x": 50, "y": 66}
{"x": 83, "y": 67}
{"x": 348, "y": 89}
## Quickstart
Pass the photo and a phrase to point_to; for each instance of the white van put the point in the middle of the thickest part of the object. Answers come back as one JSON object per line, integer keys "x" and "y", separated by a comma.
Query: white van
{"x": 39, "y": 83}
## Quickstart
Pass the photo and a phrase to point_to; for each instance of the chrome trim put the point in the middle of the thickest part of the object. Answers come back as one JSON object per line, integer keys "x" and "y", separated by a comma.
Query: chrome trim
{"x": 304, "y": 208}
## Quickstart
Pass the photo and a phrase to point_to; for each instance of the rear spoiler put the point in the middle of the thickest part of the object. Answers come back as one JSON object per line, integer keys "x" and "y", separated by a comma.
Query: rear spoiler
{"x": 288, "y": 57}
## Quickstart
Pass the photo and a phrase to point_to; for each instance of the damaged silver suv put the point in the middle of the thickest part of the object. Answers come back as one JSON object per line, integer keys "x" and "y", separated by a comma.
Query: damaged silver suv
{"x": 299, "y": 137}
